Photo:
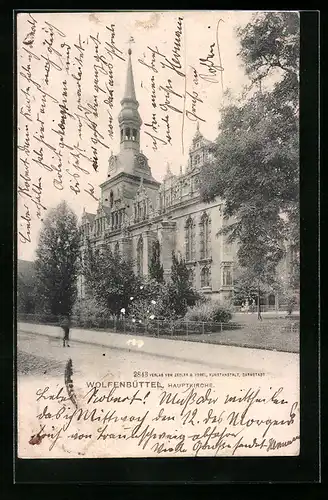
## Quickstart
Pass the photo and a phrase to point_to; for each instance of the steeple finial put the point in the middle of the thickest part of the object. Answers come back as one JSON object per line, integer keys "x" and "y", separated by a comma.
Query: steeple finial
{"x": 130, "y": 92}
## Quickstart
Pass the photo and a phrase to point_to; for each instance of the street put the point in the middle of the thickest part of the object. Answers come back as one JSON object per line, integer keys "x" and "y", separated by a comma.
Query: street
{"x": 97, "y": 380}
{"x": 39, "y": 355}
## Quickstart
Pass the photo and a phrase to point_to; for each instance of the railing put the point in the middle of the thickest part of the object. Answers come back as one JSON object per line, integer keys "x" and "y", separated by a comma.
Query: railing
{"x": 161, "y": 328}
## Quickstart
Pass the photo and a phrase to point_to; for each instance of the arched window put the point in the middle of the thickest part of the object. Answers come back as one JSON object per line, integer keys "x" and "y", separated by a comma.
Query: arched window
{"x": 190, "y": 239}
{"x": 111, "y": 199}
{"x": 205, "y": 277}
{"x": 134, "y": 134}
{"x": 117, "y": 248}
{"x": 140, "y": 256}
{"x": 205, "y": 236}
{"x": 227, "y": 276}
{"x": 127, "y": 133}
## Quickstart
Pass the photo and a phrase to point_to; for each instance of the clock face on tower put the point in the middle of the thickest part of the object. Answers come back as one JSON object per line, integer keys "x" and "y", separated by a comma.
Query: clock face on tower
{"x": 112, "y": 163}
{"x": 141, "y": 160}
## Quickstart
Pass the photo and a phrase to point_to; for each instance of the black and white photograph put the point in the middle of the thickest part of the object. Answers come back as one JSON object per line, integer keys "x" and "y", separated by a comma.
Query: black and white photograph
{"x": 158, "y": 234}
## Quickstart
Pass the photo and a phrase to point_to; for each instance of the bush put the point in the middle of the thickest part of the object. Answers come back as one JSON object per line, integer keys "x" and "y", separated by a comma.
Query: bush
{"x": 151, "y": 301}
{"x": 89, "y": 313}
{"x": 209, "y": 312}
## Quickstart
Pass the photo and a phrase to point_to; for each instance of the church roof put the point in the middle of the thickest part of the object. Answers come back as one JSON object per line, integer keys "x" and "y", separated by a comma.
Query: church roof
{"x": 90, "y": 217}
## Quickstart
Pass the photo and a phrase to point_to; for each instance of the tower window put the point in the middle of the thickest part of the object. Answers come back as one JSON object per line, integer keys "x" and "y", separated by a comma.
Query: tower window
{"x": 121, "y": 134}
{"x": 134, "y": 134}
{"x": 111, "y": 199}
{"x": 127, "y": 133}
{"x": 190, "y": 239}
{"x": 205, "y": 236}
{"x": 140, "y": 256}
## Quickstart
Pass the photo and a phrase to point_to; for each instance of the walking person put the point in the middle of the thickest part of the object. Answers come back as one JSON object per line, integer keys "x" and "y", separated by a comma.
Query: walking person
{"x": 65, "y": 327}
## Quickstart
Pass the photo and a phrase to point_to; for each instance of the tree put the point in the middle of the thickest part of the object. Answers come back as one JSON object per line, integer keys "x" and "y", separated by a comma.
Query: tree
{"x": 180, "y": 292}
{"x": 256, "y": 166}
{"x": 150, "y": 302}
{"x": 57, "y": 262}
{"x": 110, "y": 277}
{"x": 156, "y": 270}
{"x": 26, "y": 281}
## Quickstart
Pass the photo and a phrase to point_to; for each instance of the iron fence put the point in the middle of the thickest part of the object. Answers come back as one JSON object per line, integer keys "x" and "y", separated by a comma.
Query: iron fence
{"x": 162, "y": 328}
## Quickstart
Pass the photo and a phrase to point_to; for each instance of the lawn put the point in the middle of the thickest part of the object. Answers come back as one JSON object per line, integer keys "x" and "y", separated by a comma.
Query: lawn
{"x": 275, "y": 334}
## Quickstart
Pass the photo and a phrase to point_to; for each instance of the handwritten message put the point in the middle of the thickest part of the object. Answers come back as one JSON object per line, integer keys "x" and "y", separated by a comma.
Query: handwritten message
{"x": 71, "y": 72}
{"x": 65, "y": 101}
{"x": 163, "y": 414}
{"x": 166, "y": 98}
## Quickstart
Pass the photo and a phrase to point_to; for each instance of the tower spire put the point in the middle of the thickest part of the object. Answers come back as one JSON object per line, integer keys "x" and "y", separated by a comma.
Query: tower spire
{"x": 129, "y": 119}
{"x": 130, "y": 92}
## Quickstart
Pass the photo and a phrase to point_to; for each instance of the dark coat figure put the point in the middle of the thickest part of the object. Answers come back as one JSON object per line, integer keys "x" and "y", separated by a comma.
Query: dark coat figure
{"x": 65, "y": 326}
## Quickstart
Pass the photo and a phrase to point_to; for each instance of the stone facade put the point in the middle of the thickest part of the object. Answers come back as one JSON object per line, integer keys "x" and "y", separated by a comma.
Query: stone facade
{"x": 135, "y": 210}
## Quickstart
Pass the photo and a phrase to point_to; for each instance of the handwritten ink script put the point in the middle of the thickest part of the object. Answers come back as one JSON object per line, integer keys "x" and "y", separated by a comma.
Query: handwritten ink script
{"x": 175, "y": 88}
{"x": 71, "y": 75}
{"x": 163, "y": 415}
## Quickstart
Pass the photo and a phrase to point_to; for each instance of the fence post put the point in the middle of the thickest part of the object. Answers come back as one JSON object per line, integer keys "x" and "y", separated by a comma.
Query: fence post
{"x": 203, "y": 327}
{"x": 114, "y": 323}
{"x": 187, "y": 329}
{"x": 158, "y": 328}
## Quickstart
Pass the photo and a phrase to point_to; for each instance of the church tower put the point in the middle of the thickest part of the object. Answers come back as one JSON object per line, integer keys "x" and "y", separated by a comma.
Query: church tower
{"x": 129, "y": 176}
{"x": 129, "y": 119}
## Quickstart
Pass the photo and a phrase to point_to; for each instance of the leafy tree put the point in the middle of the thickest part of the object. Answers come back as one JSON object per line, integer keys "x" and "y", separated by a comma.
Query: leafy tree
{"x": 156, "y": 270}
{"x": 110, "y": 277}
{"x": 256, "y": 156}
{"x": 57, "y": 262}
{"x": 180, "y": 292}
{"x": 26, "y": 300}
{"x": 150, "y": 302}
{"x": 25, "y": 297}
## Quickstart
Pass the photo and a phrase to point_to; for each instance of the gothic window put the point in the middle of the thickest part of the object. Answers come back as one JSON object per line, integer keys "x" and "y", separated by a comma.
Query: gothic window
{"x": 134, "y": 134}
{"x": 205, "y": 278}
{"x": 140, "y": 256}
{"x": 190, "y": 239}
{"x": 227, "y": 276}
{"x": 117, "y": 248}
{"x": 197, "y": 159}
{"x": 205, "y": 236}
{"x": 111, "y": 199}
{"x": 127, "y": 133}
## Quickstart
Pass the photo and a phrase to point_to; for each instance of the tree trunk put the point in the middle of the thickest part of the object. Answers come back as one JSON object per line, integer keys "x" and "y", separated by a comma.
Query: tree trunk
{"x": 259, "y": 315}
{"x": 276, "y": 302}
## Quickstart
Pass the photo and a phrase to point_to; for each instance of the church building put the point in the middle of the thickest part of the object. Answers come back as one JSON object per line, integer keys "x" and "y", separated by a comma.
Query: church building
{"x": 135, "y": 210}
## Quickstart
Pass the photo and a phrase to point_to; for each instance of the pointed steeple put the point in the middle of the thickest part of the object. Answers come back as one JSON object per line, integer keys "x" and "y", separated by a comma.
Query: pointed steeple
{"x": 129, "y": 119}
{"x": 130, "y": 92}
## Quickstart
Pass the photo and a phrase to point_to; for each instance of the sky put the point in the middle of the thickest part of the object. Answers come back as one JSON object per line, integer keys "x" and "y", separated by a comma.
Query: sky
{"x": 188, "y": 55}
